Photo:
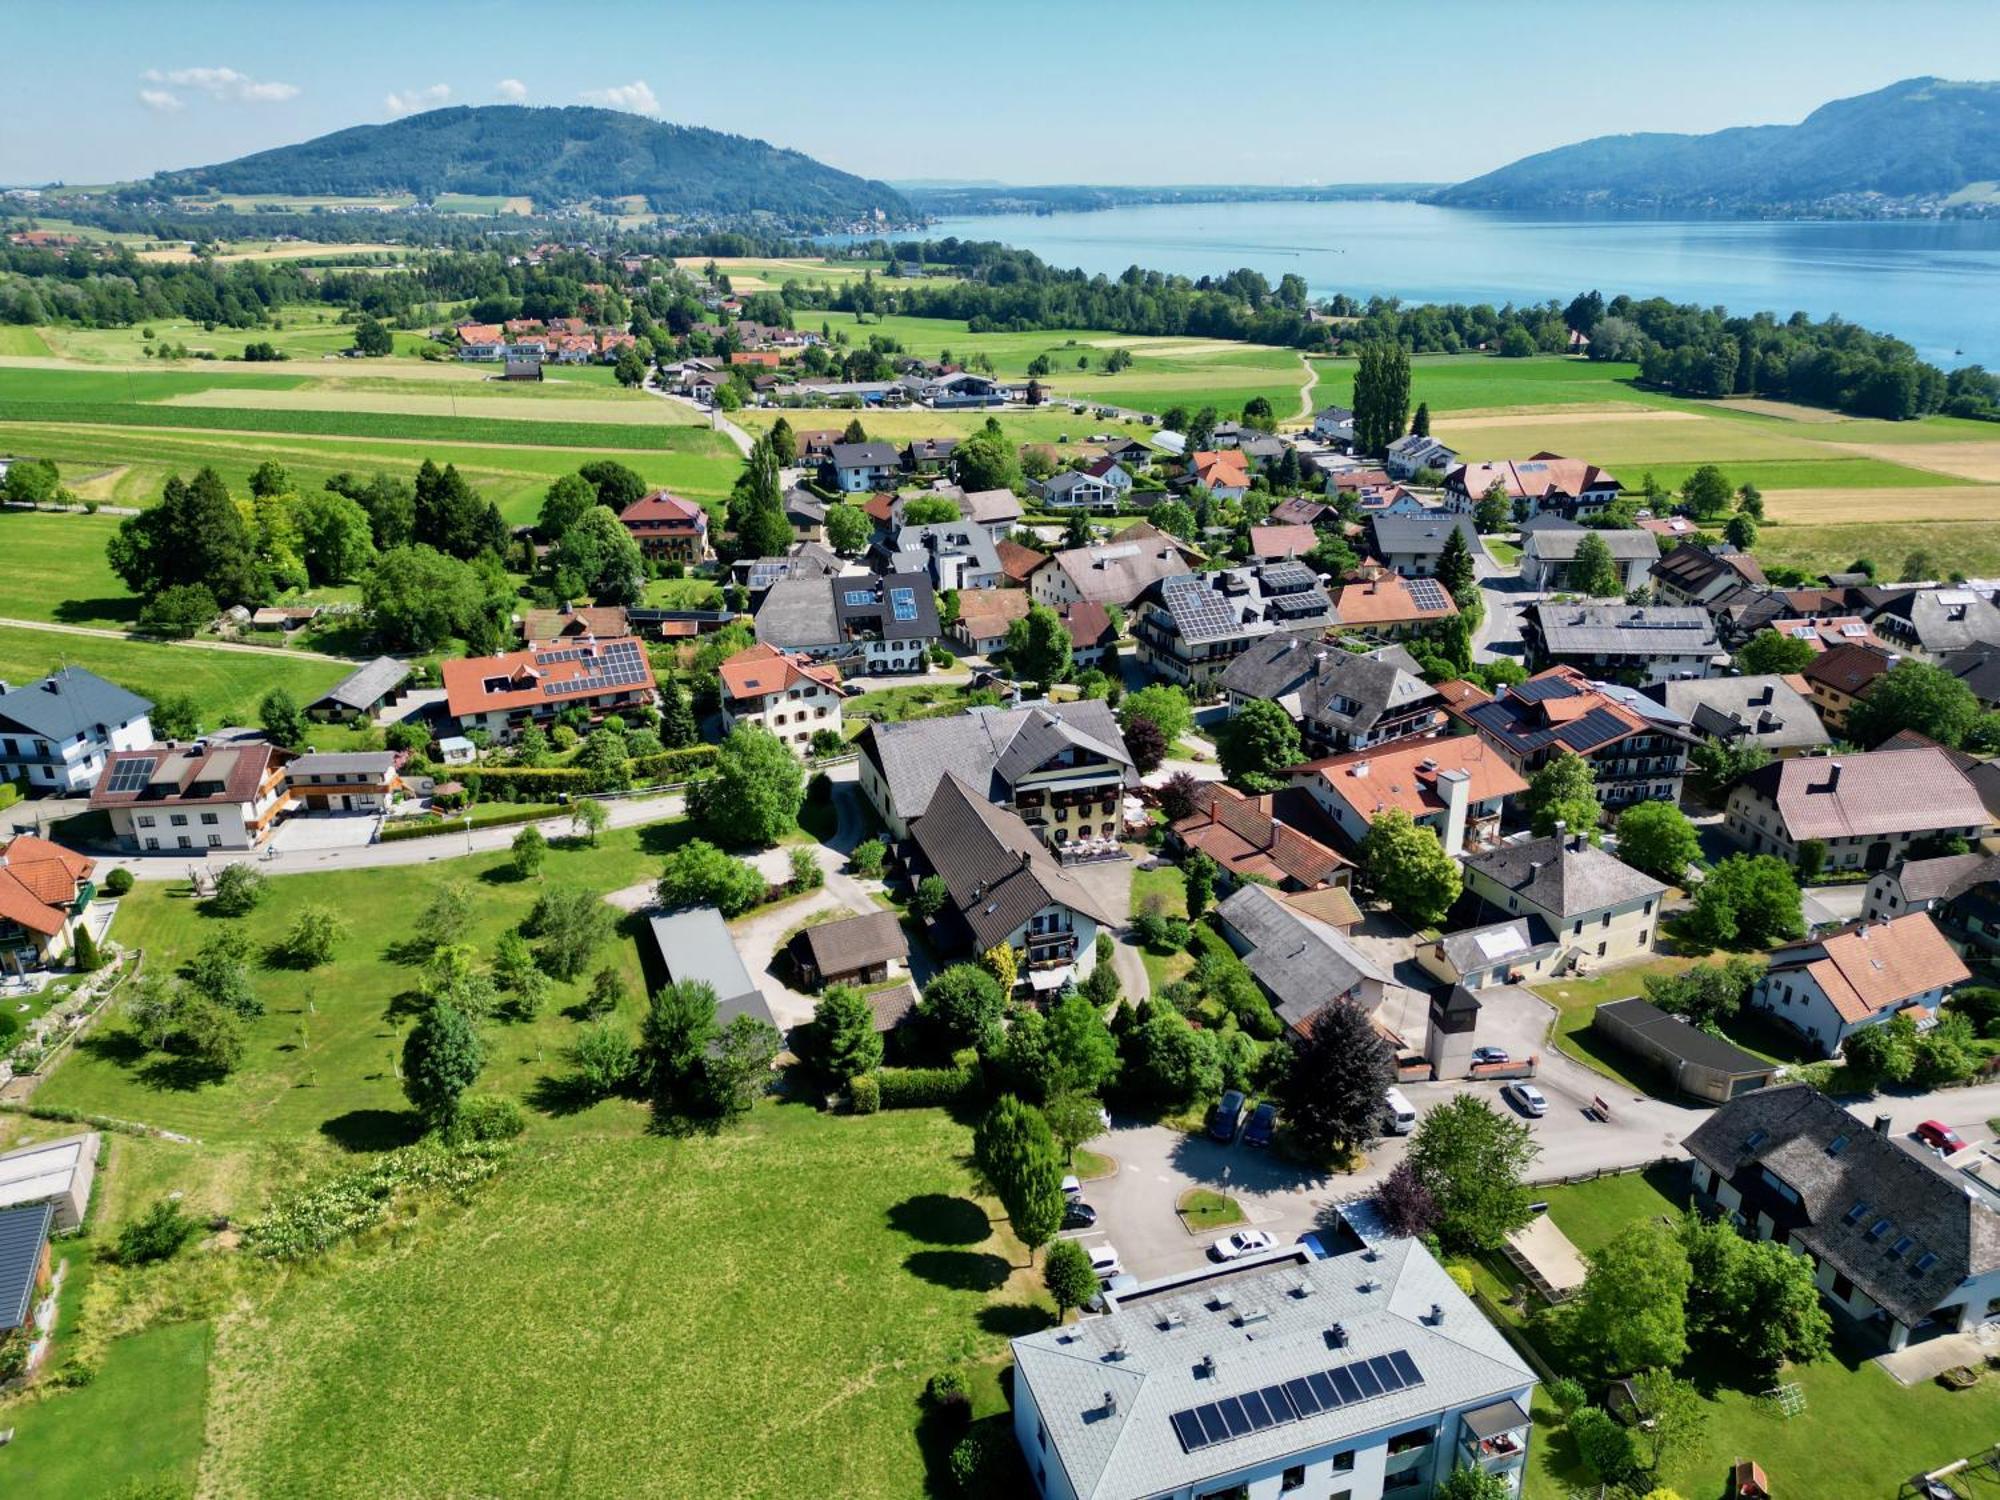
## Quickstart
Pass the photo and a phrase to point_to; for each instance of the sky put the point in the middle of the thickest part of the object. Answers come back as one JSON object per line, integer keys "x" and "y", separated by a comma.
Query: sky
{"x": 1019, "y": 91}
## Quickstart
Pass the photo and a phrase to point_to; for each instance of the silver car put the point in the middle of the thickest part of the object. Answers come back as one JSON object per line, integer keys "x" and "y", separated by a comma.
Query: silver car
{"x": 1526, "y": 1098}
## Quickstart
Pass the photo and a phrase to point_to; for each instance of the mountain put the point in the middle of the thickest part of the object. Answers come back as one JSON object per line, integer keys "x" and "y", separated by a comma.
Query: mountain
{"x": 555, "y": 156}
{"x": 1923, "y": 138}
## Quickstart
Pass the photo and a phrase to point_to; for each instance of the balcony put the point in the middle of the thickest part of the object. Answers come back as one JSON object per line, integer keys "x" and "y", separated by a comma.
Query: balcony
{"x": 1494, "y": 1438}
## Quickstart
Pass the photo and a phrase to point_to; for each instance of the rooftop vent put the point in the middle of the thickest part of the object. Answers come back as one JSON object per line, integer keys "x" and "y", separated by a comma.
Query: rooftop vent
{"x": 1221, "y": 1300}
{"x": 1337, "y": 1336}
{"x": 1436, "y": 1315}
{"x": 1111, "y": 1403}
{"x": 1249, "y": 1315}
{"x": 1172, "y": 1317}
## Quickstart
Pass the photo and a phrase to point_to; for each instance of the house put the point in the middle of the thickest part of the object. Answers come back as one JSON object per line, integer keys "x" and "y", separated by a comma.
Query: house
{"x": 1825, "y": 632}
{"x": 58, "y": 1173}
{"x": 480, "y": 341}
{"x": 1224, "y": 472}
{"x": 1766, "y": 710}
{"x": 1636, "y": 757}
{"x": 999, "y": 511}
{"x": 45, "y": 890}
{"x": 693, "y": 946}
{"x": 668, "y": 528}
{"x": 985, "y": 615}
{"x": 1111, "y": 573}
{"x": 524, "y": 362}
{"x": 1517, "y": 951}
{"x": 506, "y": 693}
{"x": 1865, "y": 810}
{"x": 1111, "y": 473}
{"x": 1006, "y": 888}
{"x": 1381, "y": 604}
{"x": 1547, "y": 482}
{"x": 1696, "y": 575}
{"x": 1900, "y": 1248}
{"x": 1077, "y": 489}
{"x": 960, "y": 389}
{"x": 853, "y": 950}
{"x": 1548, "y": 556}
{"x": 1393, "y": 501}
{"x": 1647, "y": 642}
{"x": 931, "y": 455}
{"x": 1408, "y": 456}
{"x": 1937, "y": 622}
{"x": 362, "y": 693}
{"x": 1018, "y": 562}
{"x": 1960, "y": 892}
{"x": 862, "y": 468}
{"x": 805, "y": 512}
{"x": 56, "y": 734}
{"x": 1827, "y": 988}
{"x": 207, "y": 795}
{"x": 1334, "y": 425}
{"x": 787, "y": 695}
{"x": 1302, "y": 965}
{"x": 1092, "y": 633}
{"x": 575, "y": 622}
{"x": 1191, "y": 626}
{"x": 955, "y": 554}
{"x": 24, "y": 1266}
{"x": 1697, "y": 1063}
{"x": 1299, "y": 511}
{"x": 1454, "y": 787}
{"x": 867, "y": 624}
{"x": 1262, "y": 837}
{"x": 1283, "y": 542}
{"x": 1600, "y": 910}
{"x": 1063, "y": 767}
{"x": 1978, "y": 667}
{"x": 1342, "y": 701}
{"x": 1130, "y": 454}
{"x": 1412, "y": 545}
{"x": 1841, "y": 676}
{"x": 1320, "y": 1379}
{"x": 284, "y": 617}
{"x": 343, "y": 781}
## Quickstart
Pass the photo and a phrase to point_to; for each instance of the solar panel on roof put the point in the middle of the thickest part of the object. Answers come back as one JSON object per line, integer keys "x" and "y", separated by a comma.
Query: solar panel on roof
{"x": 1303, "y": 1399}
{"x": 1365, "y": 1378}
{"x": 1187, "y": 1427}
{"x": 903, "y": 603}
{"x": 857, "y": 597}
{"x": 1277, "y": 1405}
{"x": 1345, "y": 1385}
{"x": 1426, "y": 593}
{"x": 1406, "y": 1367}
{"x": 1384, "y": 1370}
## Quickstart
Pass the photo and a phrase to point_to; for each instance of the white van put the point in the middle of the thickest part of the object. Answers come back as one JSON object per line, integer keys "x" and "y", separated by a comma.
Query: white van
{"x": 1397, "y": 1113}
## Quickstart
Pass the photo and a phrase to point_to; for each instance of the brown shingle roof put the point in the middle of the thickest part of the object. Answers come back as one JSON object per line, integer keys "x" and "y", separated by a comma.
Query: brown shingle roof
{"x": 998, "y": 872}
{"x": 1859, "y": 796}
{"x": 856, "y": 942}
{"x": 1017, "y": 562}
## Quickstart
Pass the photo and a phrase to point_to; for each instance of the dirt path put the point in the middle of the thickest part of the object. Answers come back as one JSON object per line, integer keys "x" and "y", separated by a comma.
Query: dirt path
{"x": 126, "y": 635}
{"x": 1306, "y": 390}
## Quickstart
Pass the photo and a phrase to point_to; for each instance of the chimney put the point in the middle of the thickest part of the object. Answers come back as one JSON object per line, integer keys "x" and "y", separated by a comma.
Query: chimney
{"x": 1455, "y": 786}
{"x": 1764, "y": 696}
{"x": 1110, "y": 1404}
{"x": 1882, "y": 1125}
{"x": 1833, "y": 777}
{"x": 1436, "y": 1316}
{"x": 1562, "y": 830}
{"x": 1025, "y": 857}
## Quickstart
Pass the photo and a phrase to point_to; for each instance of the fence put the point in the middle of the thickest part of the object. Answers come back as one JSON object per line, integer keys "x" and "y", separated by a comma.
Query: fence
{"x": 107, "y": 982}
{"x": 1576, "y": 1178}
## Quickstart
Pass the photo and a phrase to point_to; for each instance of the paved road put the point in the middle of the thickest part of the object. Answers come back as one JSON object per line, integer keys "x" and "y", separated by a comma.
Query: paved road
{"x": 1499, "y": 631}
{"x": 713, "y": 417}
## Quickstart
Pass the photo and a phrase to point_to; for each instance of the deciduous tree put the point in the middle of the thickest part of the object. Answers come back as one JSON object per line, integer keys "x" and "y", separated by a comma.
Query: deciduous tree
{"x": 1068, "y": 1276}
{"x": 1564, "y": 791}
{"x": 1657, "y": 837}
{"x": 1916, "y": 695}
{"x": 755, "y": 792}
{"x": 1633, "y": 1306}
{"x": 1256, "y": 741}
{"x": 1472, "y": 1159}
{"x": 1038, "y": 646}
{"x": 1331, "y": 1095}
{"x": 1593, "y": 573}
{"x": 1747, "y": 901}
{"x": 1408, "y": 868}
{"x": 441, "y": 1060}
{"x": 700, "y": 874}
{"x": 966, "y": 1002}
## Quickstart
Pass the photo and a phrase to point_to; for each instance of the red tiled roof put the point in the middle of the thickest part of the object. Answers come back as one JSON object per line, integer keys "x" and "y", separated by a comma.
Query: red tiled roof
{"x": 228, "y": 772}
{"x": 517, "y": 679}
{"x": 1385, "y": 600}
{"x": 664, "y": 511}
{"x": 1017, "y": 561}
{"x": 1241, "y": 834}
{"x": 38, "y": 881}
{"x": 1880, "y": 792}
{"x": 1373, "y": 781}
{"x": 1282, "y": 541}
{"x": 759, "y": 671}
{"x": 1089, "y": 624}
{"x": 988, "y": 612}
{"x": 1222, "y": 467}
{"x": 1846, "y": 668}
{"x": 1538, "y": 477}
{"x": 1877, "y": 964}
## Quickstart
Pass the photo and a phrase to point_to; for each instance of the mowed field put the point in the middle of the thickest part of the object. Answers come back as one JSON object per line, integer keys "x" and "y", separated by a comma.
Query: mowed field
{"x": 66, "y": 578}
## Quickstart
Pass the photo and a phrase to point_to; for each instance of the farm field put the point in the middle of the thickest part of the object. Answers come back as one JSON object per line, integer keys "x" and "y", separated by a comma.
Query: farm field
{"x": 69, "y": 582}
{"x": 749, "y": 273}
{"x": 1026, "y": 426}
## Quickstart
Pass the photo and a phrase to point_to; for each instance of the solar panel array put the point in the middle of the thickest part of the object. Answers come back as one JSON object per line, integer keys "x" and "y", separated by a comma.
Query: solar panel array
{"x": 131, "y": 775}
{"x": 903, "y": 603}
{"x": 1597, "y": 727}
{"x": 1294, "y": 1400}
{"x": 1288, "y": 577}
{"x": 858, "y": 598}
{"x": 619, "y": 664}
{"x": 1427, "y": 593}
{"x": 1296, "y": 606}
{"x": 1200, "y": 613}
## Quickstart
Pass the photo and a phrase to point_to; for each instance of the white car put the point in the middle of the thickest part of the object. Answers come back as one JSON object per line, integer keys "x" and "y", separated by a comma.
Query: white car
{"x": 1072, "y": 1189}
{"x": 1243, "y": 1242}
{"x": 1104, "y": 1261}
{"x": 1527, "y": 1098}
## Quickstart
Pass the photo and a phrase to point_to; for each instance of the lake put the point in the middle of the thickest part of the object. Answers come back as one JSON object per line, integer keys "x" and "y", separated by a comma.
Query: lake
{"x": 1936, "y": 285}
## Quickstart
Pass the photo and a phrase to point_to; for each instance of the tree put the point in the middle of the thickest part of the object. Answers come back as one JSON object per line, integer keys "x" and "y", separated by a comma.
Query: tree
{"x": 1472, "y": 1484}
{"x": 1146, "y": 745}
{"x": 630, "y": 369}
{"x": 988, "y": 460}
{"x": 1741, "y": 532}
{"x": 700, "y": 874}
{"x": 847, "y": 528}
{"x": 565, "y": 502}
{"x": 966, "y": 1002}
{"x": 1564, "y": 791}
{"x": 1068, "y": 1276}
{"x": 180, "y": 612}
{"x": 194, "y": 535}
{"x": 157, "y": 1235}
{"x": 587, "y": 819}
{"x": 1593, "y": 573}
{"x": 1471, "y": 1159}
{"x": 1516, "y": 342}
{"x": 1165, "y": 705}
{"x": 998, "y": 961}
{"x": 1039, "y": 646}
{"x": 530, "y": 850}
{"x": 32, "y": 482}
{"x": 599, "y": 556}
{"x": 450, "y": 515}
{"x": 674, "y": 1041}
{"x": 1915, "y": 695}
{"x": 616, "y": 485}
{"x": 1671, "y": 1411}
{"x": 315, "y": 932}
{"x": 1198, "y": 881}
{"x": 446, "y": 917}
{"x": 569, "y": 924}
{"x": 1768, "y": 652}
{"x": 1716, "y": 766}
{"x": 1706, "y": 995}
{"x": 1257, "y": 741}
{"x": 1083, "y": 1055}
{"x": 1017, "y": 1155}
{"x": 177, "y": 716}
{"x": 1495, "y": 511}
{"x": 1381, "y": 397}
{"x": 1604, "y": 1445}
{"x": 868, "y": 858}
{"x": 220, "y": 973}
{"x": 677, "y": 726}
{"x": 930, "y": 896}
{"x": 335, "y": 537}
{"x": 1632, "y": 1308}
{"x": 1168, "y": 1062}
{"x": 1455, "y": 569}
{"x": 371, "y": 338}
{"x": 417, "y": 599}
{"x": 1747, "y": 901}
{"x": 1408, "y": 868}
{"x": 441, "y": 1060}
{"x": 283, "y": 723}
{"x": 842, "y": 1041}
{"x": 1331, "y": 1092}
{"x": 755, "y": 792}
{"x": 1174, "y": 518}
{"x": 1420, "y": 424}
{"x": 1406, "y": 1204}
{"x": 237, "y": 891}
{"x": 1707, "y": 493}
{"x": 1886, "y": 1052}
{"x": 1752, "y": 1299}
{"x": 603, "y": 1057}
{"x": 1657, "y": 837}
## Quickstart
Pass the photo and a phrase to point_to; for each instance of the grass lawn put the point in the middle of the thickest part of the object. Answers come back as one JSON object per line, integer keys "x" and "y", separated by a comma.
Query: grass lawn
{"x": 1162, "y": 969}
{"x": 141, "y": 1418}
{"x": 1088, "y": 1166}
{"x": 70, "y": 582}
{"x": 606, "y": 1309}
{"x": 1861, "y": 1433}
{"x": 1970, "y": 547}
{"x": 683, "y": 593}
{"x": 1504, "y": 553}
{"x": 1576, "y": 1002}
{"x": 919, "y": 700}
{"x": 1203, "y": 1209}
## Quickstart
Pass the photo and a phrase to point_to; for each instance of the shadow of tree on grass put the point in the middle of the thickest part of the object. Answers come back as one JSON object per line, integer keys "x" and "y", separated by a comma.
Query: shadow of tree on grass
{"x": 940, "y": 1219}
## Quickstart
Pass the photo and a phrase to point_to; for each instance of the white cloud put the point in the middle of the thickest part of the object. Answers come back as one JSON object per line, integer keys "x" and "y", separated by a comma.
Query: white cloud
{"x": 160, "y": 101}
{"x": 410, "y": 101}
{"x": 224, "y": 84}
{"x": 635, "y": 97}
{"x": 512, "y": 90}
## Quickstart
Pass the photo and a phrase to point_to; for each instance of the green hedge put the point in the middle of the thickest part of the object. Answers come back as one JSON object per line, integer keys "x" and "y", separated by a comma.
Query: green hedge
{"x": 671, "y": 765}
{"x": 925, "y": 1088}
{"x": 432, "y": 827}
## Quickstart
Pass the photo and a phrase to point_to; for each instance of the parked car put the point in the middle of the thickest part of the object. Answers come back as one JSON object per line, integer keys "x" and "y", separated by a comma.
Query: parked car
{"x": 1940, "y": 1137}
{"x": 1526, "y": 1098}
{"x": 1078, "y": 1215}
{"x": 1226, "y": 1116}
{"x": 1104, "y": 1260}
{"x": 1072, "y": 1189}
{"x": 1243, "y": 1242}
{"x": 1263, "y": 1125}
{"x": 1119, "y": 1283}
{"x": 1482, "y": 1056}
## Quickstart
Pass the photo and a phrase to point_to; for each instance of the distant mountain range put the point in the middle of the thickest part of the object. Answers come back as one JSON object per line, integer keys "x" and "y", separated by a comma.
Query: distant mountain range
{"x": 1924, "y": 139}
{"x": 556, "y": 157}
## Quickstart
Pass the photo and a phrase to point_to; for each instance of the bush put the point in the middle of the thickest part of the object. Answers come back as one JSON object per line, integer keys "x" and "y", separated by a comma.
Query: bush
{"x": 237, "y": 891}
{"x": 157, "y": 1236}
{"x": 946, "y": 1392}
{"x": 806, "y": 872}
{"x": 974, "y": 1456}
{"x": 864, "y": 1094}
{"x": 1568, "y": 1395}
{"x": 925, "y": 1088}
{"x": 488, "y": 1117}
{"x": 868, "y": 858}
{"x": 118, "y": 882}
{"x": 323, "y": 1213}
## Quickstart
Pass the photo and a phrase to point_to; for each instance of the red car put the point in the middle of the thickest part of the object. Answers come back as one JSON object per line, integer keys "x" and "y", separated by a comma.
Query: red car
{"x": 1940, "y": 1137}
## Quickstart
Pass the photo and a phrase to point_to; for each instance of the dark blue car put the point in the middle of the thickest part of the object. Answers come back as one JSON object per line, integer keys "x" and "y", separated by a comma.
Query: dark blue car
{"x": 1225, "y": 1117}
{"x": 1263, "y": 1125}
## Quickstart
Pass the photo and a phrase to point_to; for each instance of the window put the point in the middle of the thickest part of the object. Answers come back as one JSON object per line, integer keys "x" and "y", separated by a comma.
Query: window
{"x": 1295, "y": 1478}
{"x": 1853, "y": 1215}
{"x": 215, "y": 841}
{"x": 1408, "y": 1479}
{"x": 1343, "y": 1463}
{"x": 1411, "y": 1440}
{"x": 1843, "y": 1289}
{"x": 152, "y": 843}
{"x": 179, "y": 820}
{"x": 1607, "y": 920}
{"x": 210, "y": 820}
{"x": 145, "y": 820}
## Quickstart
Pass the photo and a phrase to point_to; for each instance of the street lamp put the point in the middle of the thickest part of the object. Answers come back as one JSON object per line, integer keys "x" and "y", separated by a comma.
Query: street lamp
{"x": 468, "y": 833}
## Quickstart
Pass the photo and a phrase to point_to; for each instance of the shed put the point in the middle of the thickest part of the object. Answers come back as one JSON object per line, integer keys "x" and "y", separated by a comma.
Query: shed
{"x": 24, "y": 1260}
{"x": 854, "y": 950}
{"x": 695, "y": 945}
{"x": 1704, "y": 1066}
{"x": 55, "y": 1172}
{"x": 364, "y": 691}
{"x": 894, "y": 1007}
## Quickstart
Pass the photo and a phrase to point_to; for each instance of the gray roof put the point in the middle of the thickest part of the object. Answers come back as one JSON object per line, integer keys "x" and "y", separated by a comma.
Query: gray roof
{"x": 966, "y": 539}
{"x": 695, "y": 944}
{"x": 1565, "y": 877}
{"x": 1421, "y": 536}
{"x": 1560, "y": 543}
{"x": 1680, "y": 1038}
{"x": 1940, "y": 620}
{"x": 1764, "y": 710}
{"x": 1625, "y": 630}
{"x": 1118, "y": 572}
{"x": 855, "y": 942}
{"x": 988, "y": 507}
{"x": 797, "y": 613}
{"x": 69, "y": 702}
{"x": 1276, "y": 666}
{"x": 1518, "y": 939}
{"x": 1978, "y": 667}
{"x": 342, "y": 763}
{"x": 1271, "y": 1326}
{"x": 804, "y": 505}
{"x": 1788, "y": 1130}
{"x": 23, "y": 1232}
{"x": 1238, "y": 602}
{"x": 361, "y": 689}
{"x": 914, "y": 755}
{"x": 1351, "y": 693}
{"x": 998, "y": 871}
{"x": 1304, "y": 964}
{"x": 1947, "y": 875}
{"x": 865, "y": 456}
{"x": 875, "y": 615}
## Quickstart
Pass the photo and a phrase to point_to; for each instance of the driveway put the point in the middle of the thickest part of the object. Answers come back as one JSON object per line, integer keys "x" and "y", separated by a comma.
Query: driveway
{"x": 1832, "y": 905}
{"x": 1499, "y": 632}
{"x": 302, "y": 834}
{"x": 1110, "y": 882}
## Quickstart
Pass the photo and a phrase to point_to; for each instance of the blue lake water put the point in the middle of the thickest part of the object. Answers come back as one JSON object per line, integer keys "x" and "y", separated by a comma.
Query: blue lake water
{"x": 1936, "y": 285}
